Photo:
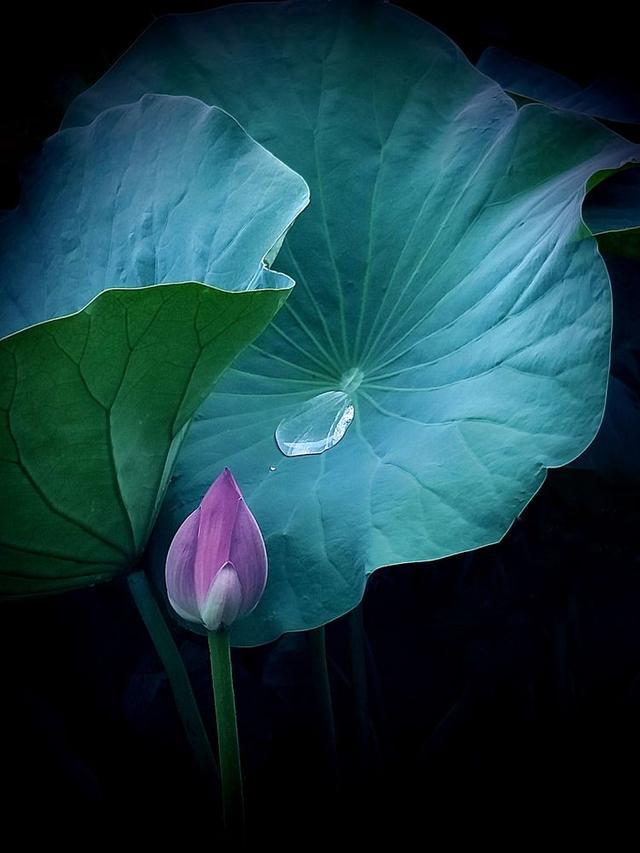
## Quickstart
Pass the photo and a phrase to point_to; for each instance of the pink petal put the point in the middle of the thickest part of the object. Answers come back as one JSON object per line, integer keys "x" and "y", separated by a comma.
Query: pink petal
{"x": 249, "y": 556}
{"x": 217, "y": 517}
{"x": 179, "y": 569}
{"x": 223, "y": 602}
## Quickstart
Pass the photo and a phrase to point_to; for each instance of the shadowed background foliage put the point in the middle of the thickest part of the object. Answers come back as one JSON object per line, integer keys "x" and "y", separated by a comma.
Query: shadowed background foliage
{"x": 507, "y": 680}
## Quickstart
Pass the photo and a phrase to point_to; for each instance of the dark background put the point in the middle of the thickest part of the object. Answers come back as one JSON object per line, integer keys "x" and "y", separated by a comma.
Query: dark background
{"x": 502, "y": 684}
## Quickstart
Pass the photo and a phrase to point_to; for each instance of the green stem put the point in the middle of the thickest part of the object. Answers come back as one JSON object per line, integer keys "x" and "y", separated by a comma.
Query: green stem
{"x": 322, "y": 686}
{"x": 176, "y": 672}
{"x": 227, "y": 725}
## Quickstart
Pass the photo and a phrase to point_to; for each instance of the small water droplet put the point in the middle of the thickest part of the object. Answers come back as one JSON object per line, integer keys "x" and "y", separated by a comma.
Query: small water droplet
{"x": 318, "y": 425}
{"x": 272, "y": 468}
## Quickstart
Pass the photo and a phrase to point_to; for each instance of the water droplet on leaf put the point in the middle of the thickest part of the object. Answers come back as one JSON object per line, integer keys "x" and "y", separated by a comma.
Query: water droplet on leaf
{"x": 318, "y": 425}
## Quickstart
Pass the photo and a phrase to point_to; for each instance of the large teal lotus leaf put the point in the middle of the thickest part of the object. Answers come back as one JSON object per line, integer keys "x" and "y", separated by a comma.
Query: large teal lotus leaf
{"x": 95, "y": 404}
{"x": 446, "y": 286}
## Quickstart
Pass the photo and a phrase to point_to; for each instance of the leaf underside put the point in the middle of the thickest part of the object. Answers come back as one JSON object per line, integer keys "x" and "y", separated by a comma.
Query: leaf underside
{"x": 90, "y": 431}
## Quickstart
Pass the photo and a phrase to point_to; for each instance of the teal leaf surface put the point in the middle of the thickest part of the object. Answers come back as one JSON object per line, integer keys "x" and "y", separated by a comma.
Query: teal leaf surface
{"x": 95, "y": 403}
{"x": 164, "y": 190}
{"x": 442, "y": 263}
{"x": 614, "y": 204}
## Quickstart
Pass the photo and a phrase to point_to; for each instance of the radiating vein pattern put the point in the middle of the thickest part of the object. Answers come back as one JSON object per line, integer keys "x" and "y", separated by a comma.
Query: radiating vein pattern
{"x": 83, "y": 451}
{"x": 441, "y": 258}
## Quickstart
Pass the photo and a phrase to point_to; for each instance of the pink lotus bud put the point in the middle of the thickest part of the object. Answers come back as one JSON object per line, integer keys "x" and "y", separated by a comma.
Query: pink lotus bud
{"x": 217, "y": 564}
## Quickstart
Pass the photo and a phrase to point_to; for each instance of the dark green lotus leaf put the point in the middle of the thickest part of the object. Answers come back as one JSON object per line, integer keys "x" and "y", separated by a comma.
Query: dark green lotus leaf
{"x": 95, "y": 407}
{"x": 447, "y": 288}
{"x": 607, "y": 99}
{"x": 95, "y": 404}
